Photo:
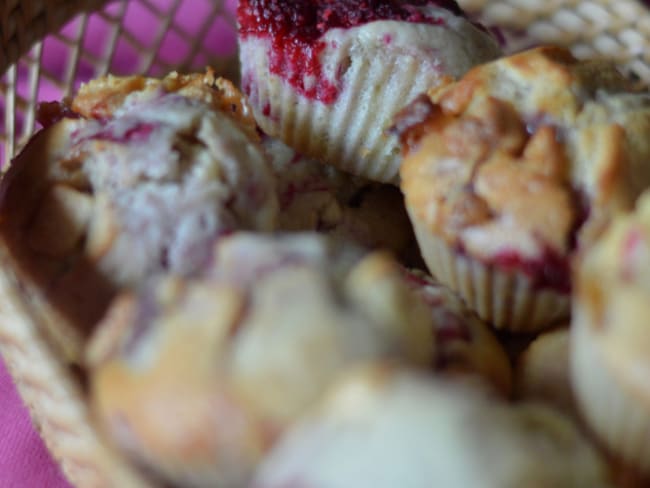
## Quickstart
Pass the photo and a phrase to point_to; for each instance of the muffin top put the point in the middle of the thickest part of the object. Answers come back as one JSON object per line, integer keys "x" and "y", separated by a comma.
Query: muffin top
{"x": 424, "y": 432}
{"x": 613, "y": 282}
{"x": 465, "y": 344}
{"x": 525, "y": 158}
{"x": 164, "y": 166}
{"x": 106, "y": 96}
{"x": 246, "y": 348}
{"x": 135, "y": 177}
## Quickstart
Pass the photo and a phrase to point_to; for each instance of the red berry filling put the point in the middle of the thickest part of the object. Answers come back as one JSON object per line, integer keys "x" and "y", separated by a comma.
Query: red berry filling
{"x": 49, "y": 113}
{"x": 139, "y": 132}
{"x": 295, "y": 29}
{"x": 550, "y": 271}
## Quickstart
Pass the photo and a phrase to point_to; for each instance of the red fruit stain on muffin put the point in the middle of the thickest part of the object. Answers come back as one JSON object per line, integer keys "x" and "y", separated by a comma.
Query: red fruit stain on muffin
{"x": 295, "y": 29}
{"x": 550, "y": 271}
{"x": 137, "y": 133}
{"x": 450, "y": 327}
{"x": 49, "y": 113}
{"x": 634, "y": 252}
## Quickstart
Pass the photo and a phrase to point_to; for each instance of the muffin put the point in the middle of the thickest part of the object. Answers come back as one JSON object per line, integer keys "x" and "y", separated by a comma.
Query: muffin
{"x": 318, "y": 197}
{"x": 132, "y": 177}
{"x": 610, "y": 350}
{"x": 327, "y": 77}
{"x": 542, "y": 373}
{"x": 465, "y": 344}
{"x": 386, "y": 427}
{"x": 197, "y": 378}
{"x": 512, "y": 170}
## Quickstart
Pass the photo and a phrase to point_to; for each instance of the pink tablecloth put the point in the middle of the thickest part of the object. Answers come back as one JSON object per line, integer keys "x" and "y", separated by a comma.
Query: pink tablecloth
{"x": 24, "y": 460}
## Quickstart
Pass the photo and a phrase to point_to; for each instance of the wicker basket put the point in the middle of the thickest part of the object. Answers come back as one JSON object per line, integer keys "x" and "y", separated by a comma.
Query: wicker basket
{"x": 32, "y": 30}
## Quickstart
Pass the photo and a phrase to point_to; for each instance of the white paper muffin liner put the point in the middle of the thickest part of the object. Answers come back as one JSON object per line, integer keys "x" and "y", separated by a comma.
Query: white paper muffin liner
{"x": 376, "y": 82}
{"x": 354, "y": 129}
{"x": 507, "y": 300}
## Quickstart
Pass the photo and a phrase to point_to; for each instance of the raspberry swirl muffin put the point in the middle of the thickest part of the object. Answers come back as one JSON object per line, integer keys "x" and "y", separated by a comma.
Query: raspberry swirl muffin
{"x": 327, "y": 77}
{"x": 610, "y": 351}
{"x": 134, "y": 176}
{"x": 465, "y": 344}
{"x": 318, "y": 197}
{"x": 386, "y": 427}
{"x": 510, "y": 171}
{"x": 197, "y": 378}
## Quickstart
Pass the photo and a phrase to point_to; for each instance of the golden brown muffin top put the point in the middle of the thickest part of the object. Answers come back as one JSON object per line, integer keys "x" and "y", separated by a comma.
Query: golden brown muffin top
{"x": 519, "y": 152}
{"x": 102, "y": 97}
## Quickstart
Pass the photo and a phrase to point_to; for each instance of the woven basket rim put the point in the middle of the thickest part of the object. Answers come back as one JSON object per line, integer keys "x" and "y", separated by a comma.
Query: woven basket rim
{"x": 23, "y": 22}
{"x": 55, "y": 401}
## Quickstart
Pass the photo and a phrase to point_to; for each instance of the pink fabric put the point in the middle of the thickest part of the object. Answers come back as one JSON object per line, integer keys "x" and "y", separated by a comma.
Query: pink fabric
{"x": 24, "y": 460}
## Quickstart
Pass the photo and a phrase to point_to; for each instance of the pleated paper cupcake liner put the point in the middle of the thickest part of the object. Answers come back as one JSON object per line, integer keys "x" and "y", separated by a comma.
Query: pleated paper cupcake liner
{"x": 508, "y": 300}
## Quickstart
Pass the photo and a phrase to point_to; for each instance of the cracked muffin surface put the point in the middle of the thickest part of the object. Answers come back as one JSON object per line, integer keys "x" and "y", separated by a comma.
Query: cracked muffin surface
{"x": 132, "y": 177}
{"x": 243, "y": 350}
{"x": 514, "y": 168}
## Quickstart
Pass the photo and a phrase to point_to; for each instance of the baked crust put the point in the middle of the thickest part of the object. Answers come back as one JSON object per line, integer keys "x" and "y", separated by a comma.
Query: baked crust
{"x": 525, "y": 159}
{"x": 146, "y": 182}
{"x": 198, "y": 378}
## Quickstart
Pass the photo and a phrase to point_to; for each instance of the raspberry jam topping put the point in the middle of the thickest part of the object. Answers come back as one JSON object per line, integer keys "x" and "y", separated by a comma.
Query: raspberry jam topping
{"x": 296, "y": 26}
{"x": 307, "y": 20}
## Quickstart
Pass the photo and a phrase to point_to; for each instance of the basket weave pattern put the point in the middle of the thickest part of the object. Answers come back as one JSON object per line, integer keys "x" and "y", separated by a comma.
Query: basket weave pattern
{"x": 52, "y": 64}
{"x": 31, "y": 30}
{"x": 55, "y": 401}
{"x": 611, "y": 29}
